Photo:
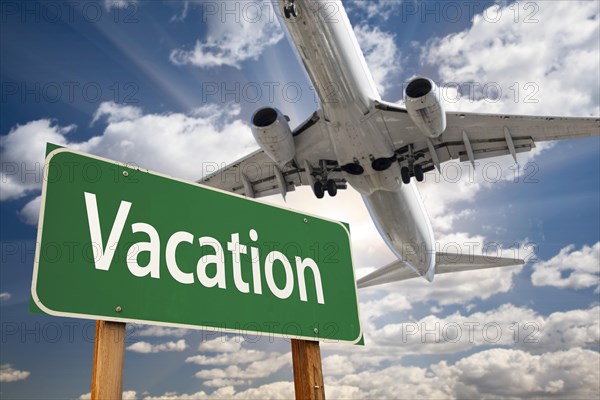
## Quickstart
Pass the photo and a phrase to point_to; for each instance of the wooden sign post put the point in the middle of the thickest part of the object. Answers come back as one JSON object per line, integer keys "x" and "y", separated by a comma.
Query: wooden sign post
{"x": 109, "y": 349}
{"x": 308, "y": 372}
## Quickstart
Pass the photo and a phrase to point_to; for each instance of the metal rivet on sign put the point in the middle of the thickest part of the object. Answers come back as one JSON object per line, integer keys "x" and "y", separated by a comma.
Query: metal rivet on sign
{"x": 118, "y": 309}
{"x": 125, "y": 173}
{"x": 305, "y": 220}
{"x": 316, "y": 330}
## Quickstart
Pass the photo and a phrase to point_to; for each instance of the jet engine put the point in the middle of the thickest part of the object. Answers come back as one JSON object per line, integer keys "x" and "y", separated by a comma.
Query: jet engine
{"x": 273, "y": 134}
{"x": 423, "y": 103}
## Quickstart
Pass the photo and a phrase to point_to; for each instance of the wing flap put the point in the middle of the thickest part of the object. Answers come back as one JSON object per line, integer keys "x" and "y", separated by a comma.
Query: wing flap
{"x": 256, "y": 175}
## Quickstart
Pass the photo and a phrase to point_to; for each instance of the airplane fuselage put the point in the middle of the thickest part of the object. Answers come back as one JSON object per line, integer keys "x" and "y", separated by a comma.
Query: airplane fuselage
{"x": 329, "y": 50}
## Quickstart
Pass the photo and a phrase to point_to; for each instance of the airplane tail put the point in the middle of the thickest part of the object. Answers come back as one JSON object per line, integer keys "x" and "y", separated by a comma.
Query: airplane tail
{"x": 444, "y": 263}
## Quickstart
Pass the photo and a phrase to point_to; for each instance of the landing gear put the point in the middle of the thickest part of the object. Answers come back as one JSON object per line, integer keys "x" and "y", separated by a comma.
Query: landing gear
{"x": 408, "y": 158}
{"x": 405, "y": 173}
{"x": 331, "y": 188}
{"x": 319, "y": 190}
{"x": 418, "y": 171}
{"x": 290, "y": 10}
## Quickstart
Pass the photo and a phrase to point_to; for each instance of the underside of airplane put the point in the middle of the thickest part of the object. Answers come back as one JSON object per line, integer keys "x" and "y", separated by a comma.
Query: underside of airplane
{"x": 379, "y": 148}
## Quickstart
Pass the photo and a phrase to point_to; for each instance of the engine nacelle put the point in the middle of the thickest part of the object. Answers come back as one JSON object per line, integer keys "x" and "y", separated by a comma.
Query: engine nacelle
{"x": 423, "y": 103}
{"x": 273, "y": 134}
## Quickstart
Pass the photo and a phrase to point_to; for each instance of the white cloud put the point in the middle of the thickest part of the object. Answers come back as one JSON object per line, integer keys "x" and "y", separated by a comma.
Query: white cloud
{"x": 145, "y": 347}
{"x": 562, "y": 69}
{"x": 337, "y": 365}
{"x": 570, "y": 268}
{"x": 116, "y": 112}
{"x": 4, "y": 296}
{"x": 182, "y": 15}
{"x": 257, "y": 369}
{"x": 158, "y": 331}
{"x": 270, "y": 391}
{"x": 127, "y": 395}
{"x": 494, "y": 373}
{"x": 176, "y": 144}
{"x": 233, "y": 39}
{"x": 242, "y": 356}
{"x": 119, "y": 4}
{"x": 505, "y": 326}
{"x": 31, "y": 212}
{"x": 223, "y": 344}
{"x": 9, "y": 374}
{"x": 22, "y": 155}
{"x": 381, "y": 54}
{"x": 566, "y": 374}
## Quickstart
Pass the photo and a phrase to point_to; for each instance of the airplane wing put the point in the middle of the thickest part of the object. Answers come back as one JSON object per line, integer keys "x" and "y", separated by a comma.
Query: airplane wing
{"x": 444, "y": 263}
{"x": 473, "y": 136}
{"x": 256, "y": 175}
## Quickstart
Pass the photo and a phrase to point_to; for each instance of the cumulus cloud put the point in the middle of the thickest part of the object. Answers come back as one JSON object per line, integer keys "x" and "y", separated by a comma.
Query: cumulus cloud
{"x": 507, "y": 325}
{"x": 158, "y": 331}
{"x": 9, "y": 374}
{"x": 494, "y": 373}
{"x": 570, "y": 268}
{"x": 270, "y": 391}
{"x": 381, "y": 54}
{"x": 255, "y": 370}
{"x": 223, "y": 344}
{"x": 562, "y": 69}
{"x": 31, "y": 212}
{"x": 235, "y": 39}
{"x": 22, "y": 155}
{"x": 176, "y": 144}
{"x": 145, "y": 347}
{"x": 114, "y": 112}
{"x": 242, "y": 356}
{"x": 127, "y": 395}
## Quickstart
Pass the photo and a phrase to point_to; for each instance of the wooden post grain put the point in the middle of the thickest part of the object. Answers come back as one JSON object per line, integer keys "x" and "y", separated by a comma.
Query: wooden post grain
{"x": 308, "y": 373}
{"x": 109, "y": 349}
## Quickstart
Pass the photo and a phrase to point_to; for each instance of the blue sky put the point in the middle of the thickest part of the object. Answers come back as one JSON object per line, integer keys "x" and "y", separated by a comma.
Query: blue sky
{"x": 171, "y": 85}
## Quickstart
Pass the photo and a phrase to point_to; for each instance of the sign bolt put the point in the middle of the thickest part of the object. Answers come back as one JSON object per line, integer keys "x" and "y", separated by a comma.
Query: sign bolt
{"x": 316, "y": 330}
{"x": 305, "y": 220}
{"x": 118, "y": 309}
{"x": 125, "y": 173}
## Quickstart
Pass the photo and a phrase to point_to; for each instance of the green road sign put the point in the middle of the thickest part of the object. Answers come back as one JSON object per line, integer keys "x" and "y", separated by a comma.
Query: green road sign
{"x": 123, "y": 244}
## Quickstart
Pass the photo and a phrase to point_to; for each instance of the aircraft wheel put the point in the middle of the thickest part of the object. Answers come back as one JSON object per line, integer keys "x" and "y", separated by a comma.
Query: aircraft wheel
{"x": 419, "y": 173}
{"x": 319, "y": 190}
{"x": 290, "y": 11}
{"x": 405, "y": 173}
{"x": 331, "y": 188}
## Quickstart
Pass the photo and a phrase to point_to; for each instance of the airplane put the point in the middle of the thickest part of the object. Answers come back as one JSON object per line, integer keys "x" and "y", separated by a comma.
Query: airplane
{"x": 377, "y": 147}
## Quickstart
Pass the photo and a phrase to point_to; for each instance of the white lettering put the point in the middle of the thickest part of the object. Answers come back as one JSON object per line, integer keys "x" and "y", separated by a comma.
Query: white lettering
{"x": 236, "y": 249}
{"x": 289, "y": 276}
{"x": 103, "y": 256}
{"x": 174, "y": 240}
{"x": 153, "y": 246}
{"x": 300, "y": 267}
{"x": 218, "y": 259}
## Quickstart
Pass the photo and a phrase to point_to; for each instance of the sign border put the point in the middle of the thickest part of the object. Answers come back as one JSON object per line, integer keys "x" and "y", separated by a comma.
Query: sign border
{"x": 49, "y": 311}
